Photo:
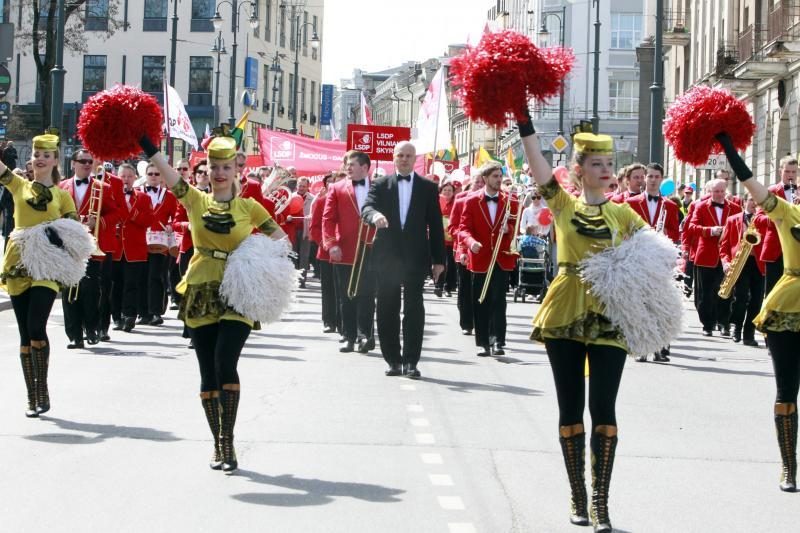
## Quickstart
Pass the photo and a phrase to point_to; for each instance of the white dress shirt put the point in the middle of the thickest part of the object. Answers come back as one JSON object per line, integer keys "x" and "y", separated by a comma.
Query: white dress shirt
{"x": 652, "y": 207}
{"x": 718, "y": 211}
{"x": 155, "y": 196}
{"x": 80, "y": 192}
{"x": 492, "y": 206}
{"x": 404, "y": 193}
{"x": 361, "y": 193}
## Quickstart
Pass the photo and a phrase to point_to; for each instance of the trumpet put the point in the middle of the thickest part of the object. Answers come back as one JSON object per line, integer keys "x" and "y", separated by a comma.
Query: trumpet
{"x": 276, "y": 180}
{"x": 95, "y": 208}
{"x": 662, "y": 218}
{"x": 496, "y": 250}
{"x": 750, "y": 239}
{"x": 358, "y": 260}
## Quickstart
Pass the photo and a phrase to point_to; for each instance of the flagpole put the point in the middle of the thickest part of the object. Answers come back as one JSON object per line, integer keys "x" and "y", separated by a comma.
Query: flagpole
{"x": 438, "y": 104}
{"x": 471, "y": 161}
{"x": 166, "y": 117}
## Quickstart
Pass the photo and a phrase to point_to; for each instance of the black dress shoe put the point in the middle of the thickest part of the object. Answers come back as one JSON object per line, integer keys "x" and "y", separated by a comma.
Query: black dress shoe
{"x": 466, "y": 332}
{"x": 394, "y": 370}
{"x": 737, "y": 336}
{"x": 665, "y": 350}
{"x": 412, "y": 372}
{"x": 328, "y": 329}
{"x": 437, "y": 292}
{"x": 156, "y": 321}
{"x": 485, "y": 352}
{"x": 117, "y": 325}
{"x": 348, "y": 347}
{"x": 144, "y": 319}
{"x": 708, "y": 333}
{"x": 92, "y": 338}
{"x": 365, "y": 345}
{"x": 104, "y": 337}
{"x": 750, "y": 342}
{"x": 658, "y": 358}
{"x": 726, "y": 331}
{"x": 342, "y": 339}
{"x": 448, "y": 293}
{"x": 77, "y": 345}
{"x": 128, "y": 324}
{"x": 497, "y": 349}
{"x": 640, "y": 358}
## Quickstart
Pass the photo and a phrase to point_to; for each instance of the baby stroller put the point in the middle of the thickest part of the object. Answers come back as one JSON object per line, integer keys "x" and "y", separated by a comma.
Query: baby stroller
{"x": 533, "y": 266}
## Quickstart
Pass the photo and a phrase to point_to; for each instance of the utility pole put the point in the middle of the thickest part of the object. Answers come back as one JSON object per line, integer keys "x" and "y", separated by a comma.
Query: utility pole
{"x": 657, "y": 91}
{"x": 58, "y": 73}
{"x": 596, "y": 91}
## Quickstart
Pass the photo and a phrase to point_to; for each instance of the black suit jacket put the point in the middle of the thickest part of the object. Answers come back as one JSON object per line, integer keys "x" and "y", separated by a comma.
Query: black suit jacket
{"x": 398, "y": 250}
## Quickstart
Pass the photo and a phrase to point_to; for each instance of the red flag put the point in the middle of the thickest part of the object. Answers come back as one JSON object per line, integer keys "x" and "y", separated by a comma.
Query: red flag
{"x": 366, "y": 114}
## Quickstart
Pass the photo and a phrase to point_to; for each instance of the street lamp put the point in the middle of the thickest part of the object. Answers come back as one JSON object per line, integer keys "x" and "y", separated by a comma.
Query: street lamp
{"x": 276, "y": 69}
{"x": 596, "y": 89}
{"x": 218, "y": 50}
{"x": 544, "y": 35}
{"x": 217, "y": 21}
{"x": 657, "y": 90}
{"x": 314, "y": 44}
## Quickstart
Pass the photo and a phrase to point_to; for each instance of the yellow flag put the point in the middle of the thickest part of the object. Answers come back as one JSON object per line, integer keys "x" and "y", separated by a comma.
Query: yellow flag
{"x": 316, "y": 134}
{"x": 510, "y": 160}
{"x": 482, "y": 157}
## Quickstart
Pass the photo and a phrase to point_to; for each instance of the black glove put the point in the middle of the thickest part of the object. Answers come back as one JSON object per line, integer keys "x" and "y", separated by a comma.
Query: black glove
{"x": 526, "y": 127}
{"x": 53, "y": 237}
{"x": 147, "y": 146}
{"x": 738, "y": 165}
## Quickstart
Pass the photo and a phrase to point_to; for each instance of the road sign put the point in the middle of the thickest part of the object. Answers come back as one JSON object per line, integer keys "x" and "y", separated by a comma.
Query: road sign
{"x": 377, "y": 142}
{"x": 5, "y": 110}
{"x": 5, "y": 81}
{"x": 715, "y": 162}
{"x": 559, "y": 160}
{"x": 560, "y": 144}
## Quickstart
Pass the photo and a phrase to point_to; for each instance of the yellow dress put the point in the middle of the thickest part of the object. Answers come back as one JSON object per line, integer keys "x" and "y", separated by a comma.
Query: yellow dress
{"x": 201, "y": 304}
{"x": 53, "y": 203}
{"x": 569, "y": 311}
{"x": 781, "y": 308}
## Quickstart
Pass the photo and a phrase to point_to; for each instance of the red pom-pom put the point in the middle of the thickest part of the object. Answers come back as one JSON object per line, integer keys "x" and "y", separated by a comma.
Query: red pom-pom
{"x": 698, "y": 115}
{"x": 503, "y": 72}
{"x": 113, "y": 121}
{"x": 545, "y": 217}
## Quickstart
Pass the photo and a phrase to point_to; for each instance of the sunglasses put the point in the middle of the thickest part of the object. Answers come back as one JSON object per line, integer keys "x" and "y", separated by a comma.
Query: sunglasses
{"x": 203, "y": 172}
{"x": 183, "y": 168}
{"x": 84, "y": 161}
{"x": 537, "y": 197}
{"x": 153, "y": 173}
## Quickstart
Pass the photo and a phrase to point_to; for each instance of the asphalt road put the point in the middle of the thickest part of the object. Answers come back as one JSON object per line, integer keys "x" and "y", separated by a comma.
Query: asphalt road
{"x": 327, "y": 443}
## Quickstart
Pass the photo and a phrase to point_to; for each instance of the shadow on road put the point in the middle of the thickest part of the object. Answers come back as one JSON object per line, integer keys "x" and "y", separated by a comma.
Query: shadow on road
{"x": 466, "y": 386}
{"x": 102, "y": 432}
{"x": 723, "y": 370}
{"x": 314, "y": 491}
{"x": 284, "y": 358}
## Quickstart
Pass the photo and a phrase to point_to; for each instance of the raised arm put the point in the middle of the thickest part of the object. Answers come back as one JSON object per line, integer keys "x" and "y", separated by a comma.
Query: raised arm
{"x": 758, "y": 191}
{"x": 169, "y": 174}
{"x": 542, "y": 171}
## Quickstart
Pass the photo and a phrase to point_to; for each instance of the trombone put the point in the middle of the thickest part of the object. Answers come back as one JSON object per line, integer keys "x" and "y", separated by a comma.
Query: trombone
{"x": 358, "y": 259}
{"x": 496, "y": 251}
{"x": 95, "y": 208}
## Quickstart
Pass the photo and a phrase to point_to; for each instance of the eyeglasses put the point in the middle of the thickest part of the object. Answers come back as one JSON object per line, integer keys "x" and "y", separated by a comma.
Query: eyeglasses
{"x": 240, "y": 165}
{"x": 183, "y": 168}
{"x": 153, "y": 173}
{"x": 84, "y": 161}
{"x": 537, "y": 197}
{"x": 203, "y": 172}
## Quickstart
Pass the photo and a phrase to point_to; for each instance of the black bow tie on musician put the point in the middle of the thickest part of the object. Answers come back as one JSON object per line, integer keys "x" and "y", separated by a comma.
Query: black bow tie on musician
{"x": 717, "y": 204}
{"x": 403, "y": 178}
{"x": 651, "y": 198}
{"x": 84, "y": 181}
{"x": 151, "y": 188}
{"x": 790, "y": 187}
{"x": 491, "y": 198}
{"x": 357, "y": 183}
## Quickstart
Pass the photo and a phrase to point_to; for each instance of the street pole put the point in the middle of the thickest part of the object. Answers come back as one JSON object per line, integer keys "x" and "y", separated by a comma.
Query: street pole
{"x": 57, "y": 74}
{"x": 174, "y": 43}
{"x": 232, "y": 87}
{"x": 216, "y": 82}
{"x": 276, "y": 68}
{"x": 596, "y": 91}
{"x": 657, "y": 91}
{"x": 296, "y": 68}
{"x": 561, "y": 91}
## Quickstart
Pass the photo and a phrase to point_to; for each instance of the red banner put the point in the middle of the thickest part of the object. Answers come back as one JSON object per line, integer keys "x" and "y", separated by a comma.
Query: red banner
{"x": 377, "y": 142}
{"x": 311, "y": 157}
{"x": 449, "y": 166}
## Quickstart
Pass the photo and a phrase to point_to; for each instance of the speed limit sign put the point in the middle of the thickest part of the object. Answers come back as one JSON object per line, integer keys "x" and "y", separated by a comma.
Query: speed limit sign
{"x": 715, "y": 162}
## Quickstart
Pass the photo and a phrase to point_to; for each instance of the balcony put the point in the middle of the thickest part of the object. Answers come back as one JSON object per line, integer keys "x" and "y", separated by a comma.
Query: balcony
{"x": 727, "y": 58}
{"x": 676, "y": 28}
{"x": 783, "y": 31}
{"x": 754, "y": 63}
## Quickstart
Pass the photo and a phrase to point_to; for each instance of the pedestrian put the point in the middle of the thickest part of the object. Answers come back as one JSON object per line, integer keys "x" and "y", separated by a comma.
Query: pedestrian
{"x": 410, "y": 239}
{"x": 447, "y": 282}
{"x": 10, "y": 155}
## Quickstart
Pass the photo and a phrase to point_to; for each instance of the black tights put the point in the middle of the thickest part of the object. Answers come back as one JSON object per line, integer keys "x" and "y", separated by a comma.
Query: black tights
{"x": 32, "y": 309}
{"x": 786, "y": 362}
{"x": 218, "y": 347}
{"x": 605, "y": 369}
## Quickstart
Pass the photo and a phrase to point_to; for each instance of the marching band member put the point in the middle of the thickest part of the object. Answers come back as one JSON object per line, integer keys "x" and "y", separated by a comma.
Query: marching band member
{"x": 634, "y": 179}
{"x": 778, "y": 319}
{"x": 82, "y": 311}
{"x": 36, "y": 203}
{"x": 771, "y": 249}
{"x": 341, "y": 228}
{"x": 706, "y": 224}
{"x": 220, "y": 223}
{"x": 110, "y": 244}
{"x": 132, "y": 255}
{"x": 164, "y": 205}
{"x": 300, "y": 220}
{"x": 447, "y": 282}
{"x": 174, "y": 274}
{"x": 749, "y": 289}
{"x": 330, "y": 313}
{"x": 570, "y": 320}
{"x": 482, "y": 224}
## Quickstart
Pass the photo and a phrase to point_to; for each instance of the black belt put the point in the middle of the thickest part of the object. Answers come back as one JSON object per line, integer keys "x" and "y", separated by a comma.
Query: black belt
{"x": 214, "y": 254}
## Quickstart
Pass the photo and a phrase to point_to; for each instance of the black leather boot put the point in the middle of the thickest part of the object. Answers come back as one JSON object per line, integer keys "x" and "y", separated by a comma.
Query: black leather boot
{"x": 41, "y": 358}
{"x": 29, "y": 374}
{"x": 786, "y": 427}
{"x": 211, "y": 406}
{"x": 603, "y": 452}
{"x": 574, "y": 450}
{"x": 230, "y": 405}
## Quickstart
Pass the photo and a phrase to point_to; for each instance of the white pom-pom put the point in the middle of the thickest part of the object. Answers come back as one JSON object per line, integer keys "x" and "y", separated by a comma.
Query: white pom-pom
{"x": 636, "y": 283}
{"x": 46, "y": 262}
{"x": 259, "y": 278}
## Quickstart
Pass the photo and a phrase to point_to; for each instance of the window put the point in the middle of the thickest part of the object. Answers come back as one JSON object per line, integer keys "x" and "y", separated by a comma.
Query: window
{"x": 313, "y": 105}
{"x": 200, "y": 74}
{"x": 303, "y": 99}
{"x": 94, "y": 75}
{"x": 268, "y": 20}
{"x": 202, "y": 11}
{"x": 626, "y": 30}
{"x": 623, "y": 99}
{"x": 155, "y": 15}
{"x": 314, "y": 50}
{"x": 153, "y": 75}
{"x": 96, "y": 15}
{"x": 282, "y": 29}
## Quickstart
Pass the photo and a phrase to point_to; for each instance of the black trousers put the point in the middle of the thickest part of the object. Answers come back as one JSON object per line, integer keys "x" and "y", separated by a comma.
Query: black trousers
{"x": 156, "y": 283}
{"x": 358, "y": 314}
{"x": 84, "y": 313}
{"x": 174, "y": 278}
{"x": 408, "y": 289}
{"x": 117, "y": 279}
{"x": 131, "y": 282}
{"x": 688, "y": 275}
{"x": 183, "y": 261}
{"x": 330, "y": 310}
{"x": 567, "y": 359}
{"x": 786, "y": 363}
{"x": 774, "y": 273}
{"x": 106, "y": 287}
{"x": 218, "y": 347}
{"x": 710, "y": 308}
{"x": 32, "y": 309}
{"x": 490, "y": 316}
{"x": 449, "y": 280}
{"x": 466, "y": 316}
{"x": 747, "y": 296}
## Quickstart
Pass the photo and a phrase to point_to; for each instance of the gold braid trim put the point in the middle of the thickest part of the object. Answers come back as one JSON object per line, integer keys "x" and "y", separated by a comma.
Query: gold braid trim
{"x": 777, "y": 321}
{"x": 269, "y": 227}
{"x": 550, "y": 189}
{"x": 6, "y": 177}
{"x": 588, "y": 327}
{"x": 180, "y": 189}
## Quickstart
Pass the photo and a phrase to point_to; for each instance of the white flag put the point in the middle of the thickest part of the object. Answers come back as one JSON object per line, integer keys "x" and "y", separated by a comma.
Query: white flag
{"x": 176, "y": 121}
{"x": 433, "y": 125}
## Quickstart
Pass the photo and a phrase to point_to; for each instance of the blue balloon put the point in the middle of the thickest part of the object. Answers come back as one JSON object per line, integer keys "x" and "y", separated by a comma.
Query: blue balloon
{"x": 667, "y": 187}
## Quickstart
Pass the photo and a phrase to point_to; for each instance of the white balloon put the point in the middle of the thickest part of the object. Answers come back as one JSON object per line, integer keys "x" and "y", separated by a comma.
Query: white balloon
{"x": 457, "y": 174}
{"x": 438, "y": 169}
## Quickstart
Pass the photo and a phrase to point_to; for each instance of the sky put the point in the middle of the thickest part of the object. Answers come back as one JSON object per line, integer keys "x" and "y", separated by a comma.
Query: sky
{"x": 376, "y": 34}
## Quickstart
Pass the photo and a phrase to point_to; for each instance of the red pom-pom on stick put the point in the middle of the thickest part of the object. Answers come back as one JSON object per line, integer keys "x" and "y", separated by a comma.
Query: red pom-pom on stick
{"x": 113, "y": 121}
{"x": 697, "y": 116}
{"x": 503, "y": 72}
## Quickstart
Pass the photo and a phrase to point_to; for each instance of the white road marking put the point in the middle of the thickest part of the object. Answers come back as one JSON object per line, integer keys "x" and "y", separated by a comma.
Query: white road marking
{"x": 415, "y": 408}
{"x": 441, "y": 480}
{"x": 431, "y": 458}
{"x": 420, "y": 422}
{"x": 425, "y": 438}
{"x": 451, "y": 503}
{"x": 462, "y": 527}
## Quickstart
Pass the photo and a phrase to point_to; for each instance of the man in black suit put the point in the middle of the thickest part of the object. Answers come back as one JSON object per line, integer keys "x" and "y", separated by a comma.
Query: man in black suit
{"x": 404, "y": 207}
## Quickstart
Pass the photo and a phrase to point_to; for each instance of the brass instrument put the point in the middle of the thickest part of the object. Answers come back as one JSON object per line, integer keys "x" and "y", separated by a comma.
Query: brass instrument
{"x": 662, "y": 217}
{"x": 277, "y": 179}
{"x": 496, "y": 250}
{"x": 750, "y": 239}
{"x": 358, "y": 259}
{"x": 95, "y": 208}
{"x": 522, "y": 201}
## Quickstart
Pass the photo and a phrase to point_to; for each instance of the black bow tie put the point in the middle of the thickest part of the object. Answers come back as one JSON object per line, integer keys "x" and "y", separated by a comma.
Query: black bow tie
{"x": 356, "y": 183}
{"x": 748, "y": 217}
{"x": 84, "y": 181}
{"x": 651, "y": 198}
{"x": 129, "y": 192}
{"x": 404, "y": 178}
{"x": 491, "y": 198}
{"x": 150, "y": 188}
{"x": 717, "y": 204}
{"x": 206, "y": 190}
{"x": 790, "y": 187}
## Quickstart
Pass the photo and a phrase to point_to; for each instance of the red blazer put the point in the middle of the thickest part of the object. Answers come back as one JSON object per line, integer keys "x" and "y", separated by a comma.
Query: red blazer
{"x": 133, "y": 228}
{"x": 109, "y": 215}
{"x": 341, "y": 219}
{"x": 180, "y": 225}
{"x": 732, "y": 237}
{"x": 164, "y": 211}
{"x": 671, "y": 220}
{"x": 476, "y": 226}
{"x": 703, "y": 219}
{"x": 118, "y": 191}
{"x": 315, "y": 228}
{"x": 771, "y": 245}
{"x": 455, "y": 221}
{"x": 688, "y": 239}
{"x": 447, "y": 209}
{"x": 624, "y": 196}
